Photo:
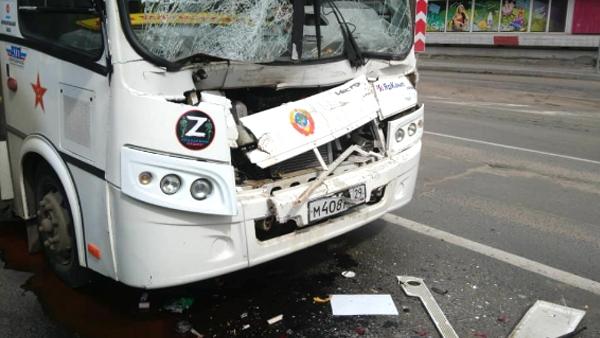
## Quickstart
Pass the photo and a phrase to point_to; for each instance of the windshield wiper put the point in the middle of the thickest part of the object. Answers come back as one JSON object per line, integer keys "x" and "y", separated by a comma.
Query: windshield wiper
{"x": 353, "y": 52}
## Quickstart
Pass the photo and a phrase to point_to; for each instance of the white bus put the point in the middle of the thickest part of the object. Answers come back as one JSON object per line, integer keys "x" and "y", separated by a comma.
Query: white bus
{"x": 165, "y": 142}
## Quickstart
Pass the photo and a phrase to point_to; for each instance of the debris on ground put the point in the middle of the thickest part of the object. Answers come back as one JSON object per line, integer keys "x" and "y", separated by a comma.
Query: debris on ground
{"x": 352, "y": 305}
{"x": 545, "y": 319}
{"x": 439, "y": 291}
{"x": 415, "y": 287}
{"x": 503, "y": 318}
{"x": 196, "y": 333}
{"x": 319, "y": 300}
{"x": 479, "y": 334}
{"x": 421, "y": 332}
{"x": 144, "y": 304}
{"x": 245, "y": 327}
{"x": 360, "y": 331}
{"x": 275, "y": 319}
{"x": 349, "y": 274}
{"x": 179, "y": 305}
{"x": 244, "y": 315}
{"x": 182, "y": 327}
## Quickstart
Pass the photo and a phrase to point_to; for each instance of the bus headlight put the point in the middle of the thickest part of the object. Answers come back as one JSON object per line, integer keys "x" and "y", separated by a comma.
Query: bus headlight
{"x": 412, "y": 129}
{"x": 399, "y": 135}
{"x": 201, "y": 189}
{"x": 170, "y": 184}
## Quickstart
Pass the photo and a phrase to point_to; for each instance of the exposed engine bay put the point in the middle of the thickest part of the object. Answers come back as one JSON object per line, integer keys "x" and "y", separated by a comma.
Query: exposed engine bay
{"x": 287, "y": 137}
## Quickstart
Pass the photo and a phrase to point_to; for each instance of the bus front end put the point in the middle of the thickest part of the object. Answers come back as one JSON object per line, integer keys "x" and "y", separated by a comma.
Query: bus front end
{"x": 245, "y": 131}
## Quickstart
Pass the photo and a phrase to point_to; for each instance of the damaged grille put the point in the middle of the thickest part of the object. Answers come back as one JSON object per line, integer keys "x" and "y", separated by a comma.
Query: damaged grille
{"x": 307, "y": 160}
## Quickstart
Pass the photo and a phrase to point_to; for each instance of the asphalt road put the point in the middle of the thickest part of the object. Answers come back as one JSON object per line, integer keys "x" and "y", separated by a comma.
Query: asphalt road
{"x": 509, "y": 163}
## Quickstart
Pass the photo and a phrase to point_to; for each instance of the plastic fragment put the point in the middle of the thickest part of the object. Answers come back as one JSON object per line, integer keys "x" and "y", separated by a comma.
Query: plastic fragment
{"x": 360, "y": 330}
{"x": 319, "y": 300}
{"x": 421, "y": 332}
{"x": 244, "y": 315}
{"x": 479, "y": 334}
{"x": 245, "y": 327}
{"x": 144, "y": 304}
{"x": 196, "y": 333}
{"x": 179, "y": 305}
{"x": 183, "y": 327}
{"x": 275, "y": 319}
{"x": 439, "y": 291}
{"x": 503, "y": 318}
{"x": 349, "y": 274}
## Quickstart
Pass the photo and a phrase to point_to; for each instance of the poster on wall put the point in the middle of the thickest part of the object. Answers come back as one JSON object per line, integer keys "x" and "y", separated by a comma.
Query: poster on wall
{"x": 539, "y": 16}
{"x": 485, "y": 18}
{"x": 459, "y": 16}
{"x": 515, "y": 15}
{"x": 436, "y": 15}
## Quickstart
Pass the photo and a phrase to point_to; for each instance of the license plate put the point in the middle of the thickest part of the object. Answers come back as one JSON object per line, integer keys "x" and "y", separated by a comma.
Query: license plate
{"x": 332, "y": 205}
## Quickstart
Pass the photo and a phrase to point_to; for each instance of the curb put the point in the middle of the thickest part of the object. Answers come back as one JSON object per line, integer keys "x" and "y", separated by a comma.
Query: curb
{"x": 489, "y": 69}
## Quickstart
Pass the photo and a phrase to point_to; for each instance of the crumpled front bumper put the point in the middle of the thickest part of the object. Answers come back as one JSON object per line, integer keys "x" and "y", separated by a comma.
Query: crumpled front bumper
{"x": 159, "y": 247}
{"x": 398, "y": 174}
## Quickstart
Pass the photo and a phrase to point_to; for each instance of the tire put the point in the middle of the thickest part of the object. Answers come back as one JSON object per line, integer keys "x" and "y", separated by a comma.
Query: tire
{"x": 56, "y": 231}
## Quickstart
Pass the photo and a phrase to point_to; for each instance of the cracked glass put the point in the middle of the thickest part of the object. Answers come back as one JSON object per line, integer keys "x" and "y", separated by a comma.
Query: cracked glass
{"x": 260, "y": 31}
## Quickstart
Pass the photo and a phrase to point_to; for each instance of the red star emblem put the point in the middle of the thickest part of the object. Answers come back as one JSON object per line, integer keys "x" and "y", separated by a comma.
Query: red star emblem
{"x": 39, "y": 93}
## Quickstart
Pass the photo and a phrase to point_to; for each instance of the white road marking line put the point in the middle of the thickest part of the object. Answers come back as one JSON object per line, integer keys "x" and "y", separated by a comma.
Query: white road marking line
{"x": 471, "y": 103}
{"x": 511, "y": 107}
{"x": 506, "y": 257}
{"x": 513, "y": 147}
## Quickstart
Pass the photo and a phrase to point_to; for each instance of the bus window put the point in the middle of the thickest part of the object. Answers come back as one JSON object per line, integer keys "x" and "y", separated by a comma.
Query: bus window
{"x": 74, "y": 24}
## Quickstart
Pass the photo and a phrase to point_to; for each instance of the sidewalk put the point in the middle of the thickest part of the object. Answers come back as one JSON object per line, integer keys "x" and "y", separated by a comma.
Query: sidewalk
{"x": 503, "y": 62}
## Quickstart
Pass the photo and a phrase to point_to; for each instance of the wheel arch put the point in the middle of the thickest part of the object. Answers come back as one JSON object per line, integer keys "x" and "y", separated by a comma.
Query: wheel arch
{"x": 36, "y": 148}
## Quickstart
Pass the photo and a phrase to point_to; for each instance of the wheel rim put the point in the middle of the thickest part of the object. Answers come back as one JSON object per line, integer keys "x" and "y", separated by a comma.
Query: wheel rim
{"x": 53, "y": 224}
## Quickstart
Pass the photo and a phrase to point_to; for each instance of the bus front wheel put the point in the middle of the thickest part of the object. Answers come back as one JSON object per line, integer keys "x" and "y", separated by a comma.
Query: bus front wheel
{"x": 55, "y": 225}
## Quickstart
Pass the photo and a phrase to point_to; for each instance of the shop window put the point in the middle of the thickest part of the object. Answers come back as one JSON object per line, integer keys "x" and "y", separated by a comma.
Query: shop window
{"x": 558, "y": 15}
{"x": 539, "y": 16}
{"x": 514, "y": 15}
{"x": 436, "y": 15}
{"x": 73, "y": 27}
{"x": 485, "y": 18}
{"x": 459, "y": 16}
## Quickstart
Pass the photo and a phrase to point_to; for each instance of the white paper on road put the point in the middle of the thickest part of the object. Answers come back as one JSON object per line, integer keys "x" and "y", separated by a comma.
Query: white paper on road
{"x": 352, "y": 305}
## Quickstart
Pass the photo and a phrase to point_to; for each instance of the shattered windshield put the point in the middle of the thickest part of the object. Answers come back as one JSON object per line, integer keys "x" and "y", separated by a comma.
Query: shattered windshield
{"x": 260, "y": 31}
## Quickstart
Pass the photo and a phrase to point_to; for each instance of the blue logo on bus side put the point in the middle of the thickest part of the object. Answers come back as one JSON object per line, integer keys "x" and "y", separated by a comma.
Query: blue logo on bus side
{"x": 16, "y": 55}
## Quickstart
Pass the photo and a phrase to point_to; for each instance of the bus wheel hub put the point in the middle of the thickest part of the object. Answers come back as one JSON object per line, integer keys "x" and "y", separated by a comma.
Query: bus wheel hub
{"x": 53, "y": 225}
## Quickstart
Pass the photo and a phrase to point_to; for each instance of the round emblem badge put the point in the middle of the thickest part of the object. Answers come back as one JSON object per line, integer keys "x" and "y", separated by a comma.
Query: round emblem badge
{"x": 302, "y": 121}
{"x": 195, "y": 130}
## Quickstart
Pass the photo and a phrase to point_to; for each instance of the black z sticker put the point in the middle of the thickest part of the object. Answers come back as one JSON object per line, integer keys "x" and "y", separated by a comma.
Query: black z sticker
{"x": 195, "y": 130}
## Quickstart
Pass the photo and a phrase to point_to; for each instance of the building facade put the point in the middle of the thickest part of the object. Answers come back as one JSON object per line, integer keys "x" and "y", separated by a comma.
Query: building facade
{"x": 534, "y": 23}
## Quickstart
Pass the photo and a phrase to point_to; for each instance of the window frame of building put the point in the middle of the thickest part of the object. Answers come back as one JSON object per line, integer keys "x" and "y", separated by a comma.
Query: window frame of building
{"x": 550, "y": 7}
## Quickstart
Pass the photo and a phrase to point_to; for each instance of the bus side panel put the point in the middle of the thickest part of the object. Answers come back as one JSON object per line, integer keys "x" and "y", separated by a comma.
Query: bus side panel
{"x": 91, "y": 191}
{"x": 6, "y": 189}
{"x": 14, "y": 149}
{"x": 68, "y": 106}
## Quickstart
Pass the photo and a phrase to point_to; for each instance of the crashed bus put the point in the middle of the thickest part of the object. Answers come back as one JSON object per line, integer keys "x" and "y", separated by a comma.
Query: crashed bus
{"x": 164, "y": 142}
